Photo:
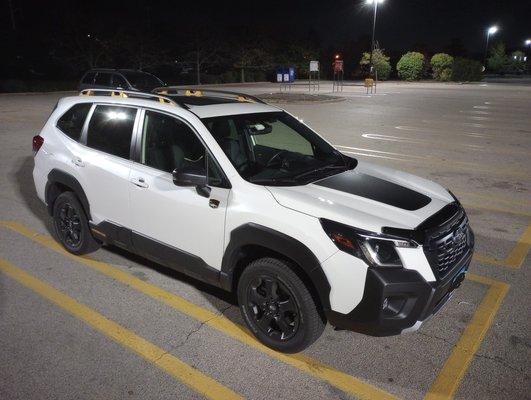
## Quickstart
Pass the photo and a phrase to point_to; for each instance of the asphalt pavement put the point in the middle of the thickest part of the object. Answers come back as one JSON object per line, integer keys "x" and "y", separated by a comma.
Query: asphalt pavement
{"x": 115, "y": 326}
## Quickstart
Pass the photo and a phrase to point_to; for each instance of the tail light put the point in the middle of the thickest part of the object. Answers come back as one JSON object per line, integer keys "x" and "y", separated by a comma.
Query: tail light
{"x": 38, "y": 141}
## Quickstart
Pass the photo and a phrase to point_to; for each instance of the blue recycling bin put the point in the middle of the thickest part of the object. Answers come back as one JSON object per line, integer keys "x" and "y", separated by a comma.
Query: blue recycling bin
{"x": 291, "y": 72}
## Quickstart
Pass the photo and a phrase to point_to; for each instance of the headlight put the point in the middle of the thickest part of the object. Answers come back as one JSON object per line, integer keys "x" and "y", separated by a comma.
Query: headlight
{"x": 373, "y": 248}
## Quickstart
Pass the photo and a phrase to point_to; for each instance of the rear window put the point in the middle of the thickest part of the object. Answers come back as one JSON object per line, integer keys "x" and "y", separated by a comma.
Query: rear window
{"x": 71, "y": 123}
{"x": 89, "y": 78}
{"x": 103, "y": 79}
{"x": 110, "y": 130}
{"x": 142, "y": 80}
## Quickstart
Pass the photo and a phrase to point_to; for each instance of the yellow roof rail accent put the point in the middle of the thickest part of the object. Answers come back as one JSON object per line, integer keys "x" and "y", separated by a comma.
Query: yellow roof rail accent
{"x": 128, "y": 94}
{"x": 118, "y": 94}
{"x": 243, "y": 99}
{"x": 192, "y": 92}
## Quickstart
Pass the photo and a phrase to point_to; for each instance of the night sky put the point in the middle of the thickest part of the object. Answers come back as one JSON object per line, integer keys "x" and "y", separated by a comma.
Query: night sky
{"x": 401, "y": 24}
{"x": 329, "y": 26}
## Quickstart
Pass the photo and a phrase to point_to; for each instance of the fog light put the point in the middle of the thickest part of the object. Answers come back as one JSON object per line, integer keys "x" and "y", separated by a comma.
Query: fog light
{"x": 392, "y": 306}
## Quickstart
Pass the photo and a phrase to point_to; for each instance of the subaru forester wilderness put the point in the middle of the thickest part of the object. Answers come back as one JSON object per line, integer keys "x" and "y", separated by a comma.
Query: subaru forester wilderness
{"x": 246, "y": 197}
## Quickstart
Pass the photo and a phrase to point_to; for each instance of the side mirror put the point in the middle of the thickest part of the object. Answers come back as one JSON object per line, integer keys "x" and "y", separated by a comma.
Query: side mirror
{"x": 183, "y": 177}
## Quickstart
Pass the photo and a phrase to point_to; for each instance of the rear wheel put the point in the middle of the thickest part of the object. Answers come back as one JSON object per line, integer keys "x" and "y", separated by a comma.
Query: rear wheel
{"x": 71, "y": 225}
{"x": 278, "y": 307}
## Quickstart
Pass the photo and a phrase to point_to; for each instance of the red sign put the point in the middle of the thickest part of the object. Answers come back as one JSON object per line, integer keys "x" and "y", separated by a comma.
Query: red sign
{"x": 338, "y": 66}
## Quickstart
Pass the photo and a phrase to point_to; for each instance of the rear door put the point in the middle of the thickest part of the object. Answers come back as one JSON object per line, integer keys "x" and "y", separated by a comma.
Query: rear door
{"x": 104, "y": 162}
{"x": 189, "y": 227}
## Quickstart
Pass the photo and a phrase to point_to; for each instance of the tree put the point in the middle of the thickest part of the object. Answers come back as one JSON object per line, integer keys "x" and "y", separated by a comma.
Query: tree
{"x": 248, "y": 57}
{"x": 498, "y": 60}
{"x": 380, "y": 61}
{"x": 517, "y": 63}
{"x": 205, "y": 51}
{"x": 441, "y": 64}
{"x": 465, "y": 70}
{"x": 410, "y": 66}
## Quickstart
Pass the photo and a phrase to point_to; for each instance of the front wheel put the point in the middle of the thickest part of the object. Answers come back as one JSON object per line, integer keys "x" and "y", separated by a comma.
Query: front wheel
{"x": 278, "y": 307}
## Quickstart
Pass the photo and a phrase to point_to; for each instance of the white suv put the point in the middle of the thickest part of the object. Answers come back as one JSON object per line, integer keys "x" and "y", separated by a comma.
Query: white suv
{"x": 244, "y": 196}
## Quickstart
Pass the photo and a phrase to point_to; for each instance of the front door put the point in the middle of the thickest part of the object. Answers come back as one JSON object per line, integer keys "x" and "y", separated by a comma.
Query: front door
{"x": 169, "y": 222}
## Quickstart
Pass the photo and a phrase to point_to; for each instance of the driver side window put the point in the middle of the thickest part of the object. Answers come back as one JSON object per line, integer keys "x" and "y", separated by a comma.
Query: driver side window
{"x": 168, "y": 143}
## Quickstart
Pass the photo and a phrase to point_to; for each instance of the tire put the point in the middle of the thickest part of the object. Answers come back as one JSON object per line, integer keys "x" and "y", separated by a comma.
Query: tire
{"x": 278, "y": 307}
{"x": 71, "y": 225}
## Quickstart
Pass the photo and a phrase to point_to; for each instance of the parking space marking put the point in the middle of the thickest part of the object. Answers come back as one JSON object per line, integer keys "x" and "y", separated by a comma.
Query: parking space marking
{"x": 308, "y": 365}
{"x": 184, "y": 373}
{"x": 423, "y": 160}
{"x": 516, "y": 257}
{"x": 449, "y": 378}
{"x": 501, "y": 210}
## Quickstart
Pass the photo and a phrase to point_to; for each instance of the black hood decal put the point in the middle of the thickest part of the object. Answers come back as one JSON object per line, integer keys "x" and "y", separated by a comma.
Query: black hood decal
{"x": 376, "y": 189}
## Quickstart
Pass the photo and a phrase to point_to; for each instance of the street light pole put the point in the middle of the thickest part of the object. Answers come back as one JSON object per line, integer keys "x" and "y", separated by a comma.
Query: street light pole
{"x": 374, "y": 29}
{"x": 375, "y": 3}
{"x": 491, "y": 31}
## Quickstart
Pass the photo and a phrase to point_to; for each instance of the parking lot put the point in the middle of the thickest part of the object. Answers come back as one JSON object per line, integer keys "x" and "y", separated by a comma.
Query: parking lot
{"x": 112, "y": 325}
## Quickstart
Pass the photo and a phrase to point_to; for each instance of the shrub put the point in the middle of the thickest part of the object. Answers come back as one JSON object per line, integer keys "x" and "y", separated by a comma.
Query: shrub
{"x": 441, "y": 64}
{"x": 465, "y": 70}
{"x": 380, "y": 61}
{"x": 410, "y": 66}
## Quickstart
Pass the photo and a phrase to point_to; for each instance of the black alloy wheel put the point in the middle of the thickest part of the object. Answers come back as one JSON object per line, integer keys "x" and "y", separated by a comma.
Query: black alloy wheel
{"x": 278, "y": 307}
{"x": 71, "y": 225}
{"x": 273, "y": 307}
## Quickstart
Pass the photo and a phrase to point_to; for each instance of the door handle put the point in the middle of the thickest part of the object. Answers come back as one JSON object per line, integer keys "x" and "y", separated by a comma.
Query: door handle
{"x": 78, "y": 161}
{"x": 140, "y": 182}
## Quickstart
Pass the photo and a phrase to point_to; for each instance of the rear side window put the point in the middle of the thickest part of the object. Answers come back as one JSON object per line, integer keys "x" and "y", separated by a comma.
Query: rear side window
{"x": 110, "y": 130}
{"x": 89, "y": 78}
{"x": 118, "y": 81}
{"x": 71, "y": 123}
{"x": 103, "y": 79}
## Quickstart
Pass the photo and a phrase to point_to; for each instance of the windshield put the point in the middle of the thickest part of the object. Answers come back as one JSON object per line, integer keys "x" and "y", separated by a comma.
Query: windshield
{"x": 142, "y": 80}
{"x": 276, "y": 149}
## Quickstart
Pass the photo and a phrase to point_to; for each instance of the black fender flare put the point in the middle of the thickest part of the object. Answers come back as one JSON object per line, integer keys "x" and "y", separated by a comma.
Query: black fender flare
{"x": 258, "y": 235}
{"x": 57, "y": 176}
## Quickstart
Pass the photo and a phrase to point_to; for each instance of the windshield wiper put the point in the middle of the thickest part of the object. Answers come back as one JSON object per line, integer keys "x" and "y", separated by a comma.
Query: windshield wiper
{"x": 321, "y": 169}
{"x": 265, "y": 181}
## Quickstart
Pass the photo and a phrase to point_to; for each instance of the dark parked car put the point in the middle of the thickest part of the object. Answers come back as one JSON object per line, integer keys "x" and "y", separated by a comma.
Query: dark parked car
{"x": 123, "y": 79}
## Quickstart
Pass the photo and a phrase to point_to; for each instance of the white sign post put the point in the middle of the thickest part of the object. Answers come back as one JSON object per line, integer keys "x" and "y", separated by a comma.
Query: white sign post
{"x": 313, "y": 76}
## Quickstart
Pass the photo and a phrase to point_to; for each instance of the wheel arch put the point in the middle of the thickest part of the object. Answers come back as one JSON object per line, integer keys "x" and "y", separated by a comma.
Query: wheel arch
{"x": 59, "y": 182}
{"x": 252, "y": 241}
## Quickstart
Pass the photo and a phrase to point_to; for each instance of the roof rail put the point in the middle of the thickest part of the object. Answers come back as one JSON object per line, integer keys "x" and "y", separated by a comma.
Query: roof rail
{"x": 191, "y": 92}
{"x": 128, "y": 94}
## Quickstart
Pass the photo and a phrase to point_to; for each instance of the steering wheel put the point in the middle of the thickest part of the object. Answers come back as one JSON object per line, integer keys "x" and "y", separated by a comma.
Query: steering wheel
{"x": 276, "y": 158}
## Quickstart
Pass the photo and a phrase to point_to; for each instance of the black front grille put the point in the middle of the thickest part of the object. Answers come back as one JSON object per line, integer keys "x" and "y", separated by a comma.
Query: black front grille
{"x": 446, "y": 238}
{"x": 445, "y": 247}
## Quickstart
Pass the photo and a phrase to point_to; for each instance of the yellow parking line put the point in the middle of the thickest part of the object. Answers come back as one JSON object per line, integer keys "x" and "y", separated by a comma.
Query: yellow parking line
{"x": 191, "y": 377}
{"x": 338, "y": 379}
{"x": 516, "y": 257}
{"x": 455, "y": 367}
{"x": 313, "y": 367}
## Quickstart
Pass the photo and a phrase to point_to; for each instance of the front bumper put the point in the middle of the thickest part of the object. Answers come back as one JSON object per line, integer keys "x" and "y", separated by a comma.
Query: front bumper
{"x": 396, "y": 300}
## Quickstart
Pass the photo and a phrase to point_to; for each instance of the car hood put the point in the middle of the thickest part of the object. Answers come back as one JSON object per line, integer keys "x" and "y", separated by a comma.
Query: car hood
{"x": 368, "y": 197}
